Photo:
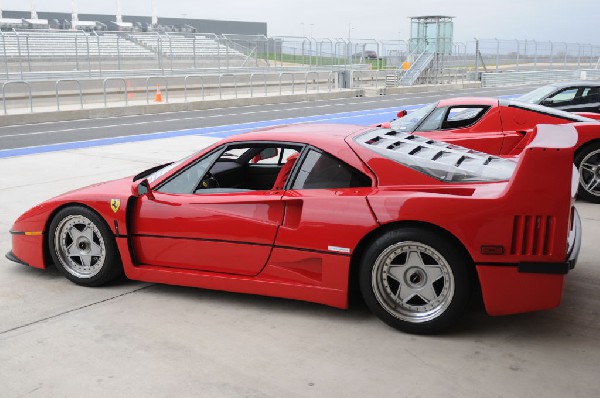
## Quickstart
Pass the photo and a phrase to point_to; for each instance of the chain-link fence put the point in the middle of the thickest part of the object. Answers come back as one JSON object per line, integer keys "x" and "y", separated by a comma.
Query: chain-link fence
{"x": 51, "y": 55}
{"x": 496, "y": 55}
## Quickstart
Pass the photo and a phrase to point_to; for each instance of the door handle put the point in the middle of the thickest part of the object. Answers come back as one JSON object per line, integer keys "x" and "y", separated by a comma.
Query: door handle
{"x": 293, "y": 213}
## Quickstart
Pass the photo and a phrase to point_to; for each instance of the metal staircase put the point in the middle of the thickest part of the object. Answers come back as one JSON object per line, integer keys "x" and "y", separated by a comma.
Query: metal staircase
{"x": 421, "y": 63}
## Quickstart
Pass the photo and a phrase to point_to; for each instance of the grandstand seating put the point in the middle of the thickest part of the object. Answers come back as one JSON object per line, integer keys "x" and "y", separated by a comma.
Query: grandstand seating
{"x": 174, "y": 45}
{"x": 69, "y": 44}
{"x": 57, "y": 44}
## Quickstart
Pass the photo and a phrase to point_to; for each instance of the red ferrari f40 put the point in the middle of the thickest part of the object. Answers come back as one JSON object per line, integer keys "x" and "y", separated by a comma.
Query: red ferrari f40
{"x": 306, "y": 211}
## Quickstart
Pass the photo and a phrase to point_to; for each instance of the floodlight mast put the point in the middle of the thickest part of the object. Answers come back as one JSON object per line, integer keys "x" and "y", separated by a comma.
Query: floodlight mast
{"x": 119, "y": 16}
{"x": 74, "y": 18}
{"x": 154, "y": 14}
{"x": 33, "y": 11}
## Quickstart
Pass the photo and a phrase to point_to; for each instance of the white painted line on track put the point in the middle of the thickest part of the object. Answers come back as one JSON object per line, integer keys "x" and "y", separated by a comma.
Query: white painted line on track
{"x": 35, "y": 133}
{"x": 391, "y": 98}
{"x": 234, "y": 130}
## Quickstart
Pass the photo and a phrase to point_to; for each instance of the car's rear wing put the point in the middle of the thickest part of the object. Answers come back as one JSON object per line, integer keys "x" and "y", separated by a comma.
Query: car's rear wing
{"x": 541, "y": 195}
{"x": 590, "y": 115}
{"x": 545, "y": 168}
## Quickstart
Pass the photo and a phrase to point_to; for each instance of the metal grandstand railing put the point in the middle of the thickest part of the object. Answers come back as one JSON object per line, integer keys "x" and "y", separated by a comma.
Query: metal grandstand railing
{"x": 59, "y": 54}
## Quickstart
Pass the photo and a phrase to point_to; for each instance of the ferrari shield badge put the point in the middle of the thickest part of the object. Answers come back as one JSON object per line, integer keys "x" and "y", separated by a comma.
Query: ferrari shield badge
{"x": 115, "y": 204}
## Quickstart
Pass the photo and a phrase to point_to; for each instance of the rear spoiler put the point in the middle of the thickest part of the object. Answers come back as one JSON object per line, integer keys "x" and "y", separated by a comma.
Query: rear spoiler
{"x": 545, "y": 169}
{"x": 590, "y": 115}
{"x": 541, "y": 193}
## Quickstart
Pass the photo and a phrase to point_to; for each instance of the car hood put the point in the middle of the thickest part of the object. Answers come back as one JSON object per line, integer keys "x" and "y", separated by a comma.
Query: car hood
{"x": 109, "y": 199}
{"x": 121, "y": 186}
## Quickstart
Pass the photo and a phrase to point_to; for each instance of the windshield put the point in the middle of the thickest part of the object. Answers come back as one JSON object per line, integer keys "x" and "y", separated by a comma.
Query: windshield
{"x": 410, "y": 122}
{"x": 535, "y": 96}
{"x": 161, "y": 172}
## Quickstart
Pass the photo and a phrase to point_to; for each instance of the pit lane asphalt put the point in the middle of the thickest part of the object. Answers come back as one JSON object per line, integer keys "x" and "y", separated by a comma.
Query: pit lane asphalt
{"x": 216, "y": 122}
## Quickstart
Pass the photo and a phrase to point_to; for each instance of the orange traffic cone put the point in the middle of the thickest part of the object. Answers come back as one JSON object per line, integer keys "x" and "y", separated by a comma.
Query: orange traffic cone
{"x": 158, "y": 95}
{"x": 129, "y": 92}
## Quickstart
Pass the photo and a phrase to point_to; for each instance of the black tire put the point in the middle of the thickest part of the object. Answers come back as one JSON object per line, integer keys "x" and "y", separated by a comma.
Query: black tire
{"x": 91, "y": 262}
{"x": 589, "y": 175}
{"x": 433, "y": 303}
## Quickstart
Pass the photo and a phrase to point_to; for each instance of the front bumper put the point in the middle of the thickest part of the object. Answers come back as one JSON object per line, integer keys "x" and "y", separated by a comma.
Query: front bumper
{"x": 27, "y": 249}
{"x": 11, "y": 256}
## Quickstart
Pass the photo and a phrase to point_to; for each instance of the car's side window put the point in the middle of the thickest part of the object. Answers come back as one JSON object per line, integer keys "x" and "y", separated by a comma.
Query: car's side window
{"x": 454, "y": 117}
{"x": 320, "y": 170}
{"x": 590, "y": 95}
{"x": 236, "y": 168}
{"x": 463, "y": 116}
{"x": 564, "y": 97}
{"x": 188, "y": 180}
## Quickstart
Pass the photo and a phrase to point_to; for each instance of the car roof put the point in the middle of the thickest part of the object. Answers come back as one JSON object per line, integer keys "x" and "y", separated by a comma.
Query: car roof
{"x": 489, "y": 101}
{"x": 579, "y": 83}
{"x": 308, "y": 133}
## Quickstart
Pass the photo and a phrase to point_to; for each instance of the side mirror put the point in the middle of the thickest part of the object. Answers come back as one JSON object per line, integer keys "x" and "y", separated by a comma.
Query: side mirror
{"x": 141, "y": 188}
{"x": 402, "y": 113}
{"x": 546, "y": 102}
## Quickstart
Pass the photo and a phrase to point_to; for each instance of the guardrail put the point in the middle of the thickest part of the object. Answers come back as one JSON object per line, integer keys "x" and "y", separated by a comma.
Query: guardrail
{"x": 532, "y": 77}
{"x": 216, "y": 86}
{"x": 4, "y": 99}
{"x": 58, "y": 96}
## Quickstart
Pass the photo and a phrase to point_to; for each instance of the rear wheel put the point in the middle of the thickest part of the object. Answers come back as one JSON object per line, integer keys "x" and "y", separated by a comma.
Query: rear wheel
{"x": 588, "y": 162}
{"x": 415, "y": 281}
{"x": 83, "y": 247}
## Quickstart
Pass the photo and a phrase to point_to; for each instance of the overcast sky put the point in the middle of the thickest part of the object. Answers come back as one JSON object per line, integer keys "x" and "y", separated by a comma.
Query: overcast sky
{"x": 558, "y": 20}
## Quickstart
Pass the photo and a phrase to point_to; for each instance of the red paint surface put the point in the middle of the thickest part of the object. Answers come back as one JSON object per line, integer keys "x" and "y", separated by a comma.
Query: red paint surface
{"x": 506, "y": 291}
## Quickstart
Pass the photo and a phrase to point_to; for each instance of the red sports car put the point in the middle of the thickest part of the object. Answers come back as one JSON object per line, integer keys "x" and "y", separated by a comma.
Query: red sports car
{"x": 305, "y": 211}
{"x": 502, "y": 127}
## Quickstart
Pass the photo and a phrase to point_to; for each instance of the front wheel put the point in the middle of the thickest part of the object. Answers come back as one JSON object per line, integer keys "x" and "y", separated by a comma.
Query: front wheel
{"x": 588, "y": 162}
{"x": 415, "y": 281}
{"x": 83, "y": 248}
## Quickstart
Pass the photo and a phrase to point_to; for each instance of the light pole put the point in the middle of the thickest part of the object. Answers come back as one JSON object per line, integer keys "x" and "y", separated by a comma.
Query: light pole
{"x": 311, "y": 30}
{"x": 349, "y": 48}
{"x": 303, "y": 34}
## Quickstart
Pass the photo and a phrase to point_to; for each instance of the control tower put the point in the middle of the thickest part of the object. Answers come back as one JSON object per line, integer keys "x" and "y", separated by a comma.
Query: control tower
{"x": 432, "y": 33}
{"x": 430, "y": 40}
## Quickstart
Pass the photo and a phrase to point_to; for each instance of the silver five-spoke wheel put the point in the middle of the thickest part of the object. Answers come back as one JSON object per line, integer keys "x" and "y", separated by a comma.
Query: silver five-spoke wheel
{"x": 412, "y": 281}
{"x": 82, "y": 246}
{"x": 589, "y": 174}
{"x": 415, "y": 279}
{"x": 79, "y": 246}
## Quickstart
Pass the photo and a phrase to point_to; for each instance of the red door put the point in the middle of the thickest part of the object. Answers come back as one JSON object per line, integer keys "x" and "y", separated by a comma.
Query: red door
{"x": 228, "y": 233}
